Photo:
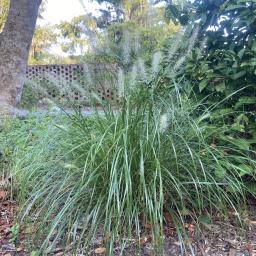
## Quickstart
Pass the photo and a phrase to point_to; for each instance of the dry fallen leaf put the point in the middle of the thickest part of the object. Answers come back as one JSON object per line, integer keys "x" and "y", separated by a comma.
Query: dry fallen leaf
{"x": 3, "y": 194}
{"x": 232, "y": 252}
{"x": 19, "y": 249}
{"x": 168, "y": 218}
{"x": 100, "y": 250}
{"x": 144, "y": 240}
{"x": 252, "y": 222}
{"x": 190, "y": 227}
{"x": 249, "y": 247}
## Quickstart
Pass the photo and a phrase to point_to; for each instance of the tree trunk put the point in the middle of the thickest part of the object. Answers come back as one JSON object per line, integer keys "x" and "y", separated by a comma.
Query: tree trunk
{"x": 15, "y": 41}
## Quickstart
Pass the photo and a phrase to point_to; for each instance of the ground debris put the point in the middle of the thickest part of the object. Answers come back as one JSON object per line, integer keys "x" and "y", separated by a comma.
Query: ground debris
{"x": 219, "y": 238}
{"x": 8, "y": 210}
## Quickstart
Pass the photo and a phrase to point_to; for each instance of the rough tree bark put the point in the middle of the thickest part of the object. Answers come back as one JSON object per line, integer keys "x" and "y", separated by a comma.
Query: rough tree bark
{"x": 15, "y": 41}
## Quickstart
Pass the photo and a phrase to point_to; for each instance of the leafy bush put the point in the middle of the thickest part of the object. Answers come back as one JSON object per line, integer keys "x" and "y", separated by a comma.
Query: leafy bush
{"x": 116, "y": 172}
{"x": 222, "y": 65}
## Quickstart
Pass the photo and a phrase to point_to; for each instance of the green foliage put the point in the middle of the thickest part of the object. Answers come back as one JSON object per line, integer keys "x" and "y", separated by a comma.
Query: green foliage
{"x": 17, "y": 136}
{"x": 222, "y": 65}
{"x": 35, "y": 253}
{"x": 44, "y": 37}
{"x": 5, "y": 148}
{"x": 15, "y": 231}
{"x": 76, "y": 33}
{"x": 166, "y": 150}
{"x": 124, "y": 32}
{"x": 124, "y": 43}
{"x": 113, "y": 172}
{"x": 126, "y": 10}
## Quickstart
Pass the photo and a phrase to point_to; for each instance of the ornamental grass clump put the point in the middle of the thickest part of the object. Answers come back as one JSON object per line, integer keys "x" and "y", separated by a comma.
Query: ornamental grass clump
{"x": 116, "y": 173}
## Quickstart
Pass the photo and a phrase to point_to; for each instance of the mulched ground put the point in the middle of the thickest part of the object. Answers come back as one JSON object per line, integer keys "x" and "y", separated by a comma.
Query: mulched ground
{"x": 217, "y": 239}
{"x": 8, "y": 244}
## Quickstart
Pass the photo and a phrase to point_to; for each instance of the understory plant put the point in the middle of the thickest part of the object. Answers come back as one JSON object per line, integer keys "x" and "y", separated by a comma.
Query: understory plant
{"x": 222, "y": 60}
{"x": 118, "y": 174}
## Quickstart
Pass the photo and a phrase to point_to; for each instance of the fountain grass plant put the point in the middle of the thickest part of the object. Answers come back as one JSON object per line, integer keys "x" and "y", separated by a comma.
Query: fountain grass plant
{"x": 114, "y": 174}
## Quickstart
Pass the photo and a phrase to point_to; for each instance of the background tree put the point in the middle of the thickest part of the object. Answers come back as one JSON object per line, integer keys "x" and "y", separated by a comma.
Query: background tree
{"x": 44, "y": 37}
{"x": 129, "y": 10}
{"x": 76, "y": 34}
{"x": 15, "y": 41}
{"x": 124, "y": 32}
